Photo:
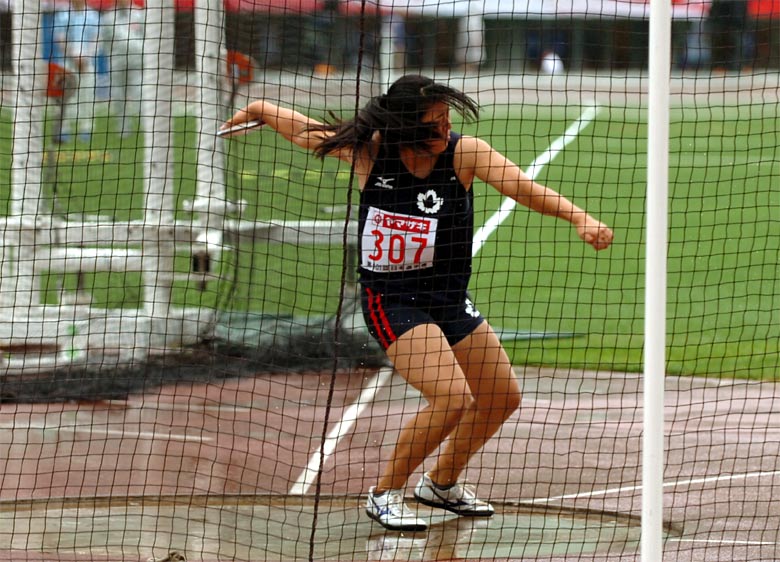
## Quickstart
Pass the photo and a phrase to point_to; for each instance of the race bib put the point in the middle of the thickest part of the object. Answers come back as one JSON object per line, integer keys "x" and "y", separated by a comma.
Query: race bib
{"x": 396, "y": 242}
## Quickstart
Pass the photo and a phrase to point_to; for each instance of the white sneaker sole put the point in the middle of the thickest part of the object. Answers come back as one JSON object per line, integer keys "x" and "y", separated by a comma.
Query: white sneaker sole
{"x": 463, "y": 512}
{"x": 410, "y": 527}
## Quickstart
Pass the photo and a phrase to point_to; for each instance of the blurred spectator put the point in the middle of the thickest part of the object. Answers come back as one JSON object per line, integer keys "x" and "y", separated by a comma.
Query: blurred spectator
{"x": 76, "y": 32}
{"x": 323, "y": 40}
{"x": 470, "y": 50}
{"x": 358, "y": 37}
{"x": 543, "y": 42}
{"x": 122, "y": 37}
{"x": 695, "y": 51}
{"x": 398, "y": 38}
{"x": 729, "y": 34}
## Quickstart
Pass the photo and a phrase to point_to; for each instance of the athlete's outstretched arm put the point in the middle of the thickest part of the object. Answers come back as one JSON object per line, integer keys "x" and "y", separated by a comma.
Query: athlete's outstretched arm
{"x": 291, "y": 124}
{"x": 495, "y": 169}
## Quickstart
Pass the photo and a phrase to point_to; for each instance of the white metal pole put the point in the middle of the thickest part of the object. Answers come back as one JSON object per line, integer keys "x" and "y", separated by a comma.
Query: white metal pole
{"x": 655, "y": 274}
{"x": 209, "y": 40}
{"x": 29, "y": 105}
{"x": 17, "y": 284}
{"x": 157, "y": 121}
{"x": 157, "y": 124}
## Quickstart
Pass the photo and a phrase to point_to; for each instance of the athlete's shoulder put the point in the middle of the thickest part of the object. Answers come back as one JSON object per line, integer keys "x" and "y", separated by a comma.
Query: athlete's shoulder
{"x": 469, "y": 149}
{"x": 470, "y": 144}
{"x": 468, "y": 141}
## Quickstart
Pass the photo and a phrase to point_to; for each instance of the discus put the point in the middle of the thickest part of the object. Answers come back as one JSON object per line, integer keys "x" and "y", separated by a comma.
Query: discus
{"x": 240, "y": 129}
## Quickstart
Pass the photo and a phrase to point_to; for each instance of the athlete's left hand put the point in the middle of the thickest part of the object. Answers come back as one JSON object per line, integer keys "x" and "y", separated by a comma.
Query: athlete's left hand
{"x": 595, "y": 233}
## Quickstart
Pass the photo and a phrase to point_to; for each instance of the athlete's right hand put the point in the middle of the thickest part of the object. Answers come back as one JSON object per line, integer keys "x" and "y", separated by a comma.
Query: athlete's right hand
{"x": 595, "y": 233}
{"x": 232, "y": 129}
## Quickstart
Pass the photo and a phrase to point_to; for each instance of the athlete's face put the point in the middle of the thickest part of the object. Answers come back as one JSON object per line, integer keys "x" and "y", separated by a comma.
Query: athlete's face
{"x": 439, "y": 116}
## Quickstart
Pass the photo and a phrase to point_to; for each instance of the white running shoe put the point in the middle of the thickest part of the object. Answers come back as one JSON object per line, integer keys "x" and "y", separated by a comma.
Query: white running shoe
{"x": 457, "y": 498}
{"x": 389, "y": 510}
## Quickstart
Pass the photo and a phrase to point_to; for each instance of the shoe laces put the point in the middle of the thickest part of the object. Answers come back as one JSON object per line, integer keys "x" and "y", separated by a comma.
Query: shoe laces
{"x": 463, "y": 492}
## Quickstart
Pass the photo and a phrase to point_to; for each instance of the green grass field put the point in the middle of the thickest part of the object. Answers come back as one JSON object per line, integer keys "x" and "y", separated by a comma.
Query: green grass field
{"x": 533, "y": 273}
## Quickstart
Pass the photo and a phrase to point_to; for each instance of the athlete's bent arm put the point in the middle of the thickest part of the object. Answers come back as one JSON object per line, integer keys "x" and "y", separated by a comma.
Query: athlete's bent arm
{"x": 504, "y": 175}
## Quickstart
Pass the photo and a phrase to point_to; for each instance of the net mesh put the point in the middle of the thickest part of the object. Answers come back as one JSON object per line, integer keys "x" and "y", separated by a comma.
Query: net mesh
{"x": 186, "y": 370}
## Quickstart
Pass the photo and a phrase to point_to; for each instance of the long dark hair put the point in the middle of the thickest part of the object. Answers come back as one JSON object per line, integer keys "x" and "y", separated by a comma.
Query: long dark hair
{"x": 397, "y": 115}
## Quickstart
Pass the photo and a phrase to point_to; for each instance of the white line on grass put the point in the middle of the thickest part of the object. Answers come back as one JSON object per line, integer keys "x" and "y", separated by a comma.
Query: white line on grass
{"x": 533, "y": 171}
{"x": 325, "y": 450}
{"x": 306, "y": 479}
{"x": 673, "y": 484}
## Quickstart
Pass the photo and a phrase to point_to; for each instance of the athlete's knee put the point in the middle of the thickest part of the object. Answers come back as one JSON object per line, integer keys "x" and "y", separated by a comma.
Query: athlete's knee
{"x": 466, "y": 402}
{"x": 512, "y": 401}
{"x": 453, "y": 406}
{"x": 500, "y": 407}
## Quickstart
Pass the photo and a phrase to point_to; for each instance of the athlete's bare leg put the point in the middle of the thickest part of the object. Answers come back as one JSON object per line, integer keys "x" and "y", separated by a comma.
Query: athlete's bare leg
{"x": 424, "y": 358}
{"x": 496, "y": 393}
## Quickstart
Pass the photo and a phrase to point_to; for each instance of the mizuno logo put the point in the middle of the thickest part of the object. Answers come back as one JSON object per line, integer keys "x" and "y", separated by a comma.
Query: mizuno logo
{"x": 383, "y": 182}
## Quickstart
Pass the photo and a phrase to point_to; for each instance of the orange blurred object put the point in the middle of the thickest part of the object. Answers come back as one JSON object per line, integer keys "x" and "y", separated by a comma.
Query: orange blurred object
{"x": 239, "y": 67}
{"x": 58, "y": 76}
{"x": 323, "y": 69}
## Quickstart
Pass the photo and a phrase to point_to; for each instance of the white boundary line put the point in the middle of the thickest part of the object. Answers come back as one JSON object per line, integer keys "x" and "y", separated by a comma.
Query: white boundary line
{"x": 673, "y": 484}
{"x": 533, "y": 171}
{"x": 324, "y": 451}
{"x": 104, "y": 432}
{"x": 723, "y": 541}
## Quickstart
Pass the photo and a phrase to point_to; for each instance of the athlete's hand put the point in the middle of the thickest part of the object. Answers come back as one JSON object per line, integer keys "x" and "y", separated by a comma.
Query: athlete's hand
{"x": 595, "y": 233}
{"x": 232, "y": 129}
{"x": 244, "y": 120}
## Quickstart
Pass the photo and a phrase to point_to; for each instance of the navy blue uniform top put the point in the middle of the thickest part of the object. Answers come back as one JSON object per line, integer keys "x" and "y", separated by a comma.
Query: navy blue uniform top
{"x": 415, "y": 233}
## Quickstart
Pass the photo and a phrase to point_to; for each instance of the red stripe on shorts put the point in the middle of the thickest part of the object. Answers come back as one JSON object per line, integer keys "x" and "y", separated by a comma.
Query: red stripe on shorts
{"x": 379, "y": 319}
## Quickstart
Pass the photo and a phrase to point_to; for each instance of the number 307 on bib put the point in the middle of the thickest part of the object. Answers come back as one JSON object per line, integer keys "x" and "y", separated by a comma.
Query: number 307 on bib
{"x": 397, "y": 242}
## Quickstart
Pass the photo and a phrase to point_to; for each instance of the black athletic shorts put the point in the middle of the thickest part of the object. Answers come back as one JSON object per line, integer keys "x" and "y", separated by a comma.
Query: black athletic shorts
{"x": 388, "y": 316}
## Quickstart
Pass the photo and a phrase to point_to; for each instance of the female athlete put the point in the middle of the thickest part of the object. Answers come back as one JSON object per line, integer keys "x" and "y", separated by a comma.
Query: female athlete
{"x": 415, "y": 229}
